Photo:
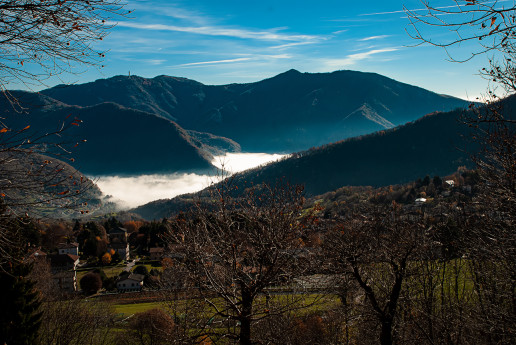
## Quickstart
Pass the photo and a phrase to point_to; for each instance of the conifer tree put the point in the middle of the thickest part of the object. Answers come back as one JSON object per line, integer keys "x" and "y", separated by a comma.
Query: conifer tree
{"x": 20, "y": 318}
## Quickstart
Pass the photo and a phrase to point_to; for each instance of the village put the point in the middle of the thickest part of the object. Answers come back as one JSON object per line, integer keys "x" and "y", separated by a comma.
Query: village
{"x": 109, "y": 256}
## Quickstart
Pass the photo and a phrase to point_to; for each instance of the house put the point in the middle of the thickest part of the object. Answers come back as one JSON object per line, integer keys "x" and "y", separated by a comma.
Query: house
{"x": 65, "y": 281}
{"x": 122, "y": 249}
{"x": 420, "y": 201}
{"x": 156, "y": 253}
{"x": 118, "y": 242}
{"x": 63, "y": 268}
{"x": 38, "y": 255}
{"x": 450, "y": 183}
{"x": 68, "y": 248}
{"x": 118, "y": 235}
{"x": 132, "y": 282}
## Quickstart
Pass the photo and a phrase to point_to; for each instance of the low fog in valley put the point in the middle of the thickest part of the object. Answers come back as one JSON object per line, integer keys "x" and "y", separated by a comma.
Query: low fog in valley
{"x": 133, "y": 191}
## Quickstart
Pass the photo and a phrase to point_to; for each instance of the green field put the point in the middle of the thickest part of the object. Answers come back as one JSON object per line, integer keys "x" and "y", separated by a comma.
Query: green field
{"x": 110, "y": 271}
{"x": 134, "y": 308}
{"x": 304, "y": 303}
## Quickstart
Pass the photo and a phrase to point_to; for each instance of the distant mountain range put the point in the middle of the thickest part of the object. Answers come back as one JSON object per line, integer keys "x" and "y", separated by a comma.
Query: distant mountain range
{"x": 134, "y": 125}
{"x": 290, "y": 112}
{"x": 436, "y": 144}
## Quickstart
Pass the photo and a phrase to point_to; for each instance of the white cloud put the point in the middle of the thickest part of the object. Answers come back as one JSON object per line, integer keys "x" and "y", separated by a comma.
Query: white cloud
{"x": 352, "y": 59}
{"x": 155, "y": 61}
{"x": 288, "y": 45}
{"x": 425, "y": 9}
{"x": 252, "y": 57}
{"x": 168, "y": 10}
{"x": 370, "y": 38}
{"x": 212, "y": 62}
{"x": 274, "y": 56}
{"x": 270, "y": 35}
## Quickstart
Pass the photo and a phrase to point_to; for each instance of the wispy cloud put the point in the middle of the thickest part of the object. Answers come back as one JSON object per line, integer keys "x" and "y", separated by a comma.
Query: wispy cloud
{"x": 212, "y": 62}
{"x": 277, "y": 56}
{"x": 156, "y": 61}
{"x": 267, "y": 35}
{"x": 290, "y": 45}
{"x": 403, "y": 11}
{"x": 254, "y": 57}
{"x": 169, "y": 10}
{"x": 425, "y": 9}
{"x": 370, "y": 38}
{"x": 339, "y": 31}
{"x": 352, "y": 59}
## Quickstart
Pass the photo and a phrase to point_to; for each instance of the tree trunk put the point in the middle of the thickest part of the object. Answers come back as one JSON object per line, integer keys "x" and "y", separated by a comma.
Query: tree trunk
{"x": 386, "y": 335}
{"x": 245, "y": 317}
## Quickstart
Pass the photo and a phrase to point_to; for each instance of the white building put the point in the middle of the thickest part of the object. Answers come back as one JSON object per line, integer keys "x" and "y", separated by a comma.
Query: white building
{"x": 64, "y": 274}
{"x": 420, "y": 201}
{"x": 133, "y": 282}
{"x": 450, "y": 183}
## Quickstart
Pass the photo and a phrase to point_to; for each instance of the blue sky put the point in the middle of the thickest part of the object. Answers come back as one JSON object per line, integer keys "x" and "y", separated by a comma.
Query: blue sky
{"x": 229, "y": 41}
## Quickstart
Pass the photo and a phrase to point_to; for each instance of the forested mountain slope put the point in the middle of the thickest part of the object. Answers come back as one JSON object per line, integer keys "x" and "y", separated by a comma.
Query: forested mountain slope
{"x": 117, "y": 140}
{"x": 436, "y": 144}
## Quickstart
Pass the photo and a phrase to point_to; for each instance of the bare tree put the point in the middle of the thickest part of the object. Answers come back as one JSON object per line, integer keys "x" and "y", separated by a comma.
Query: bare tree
{"x": 374, "y": 249}
{"x": 490, "y": 236}
{"x": 38, "y": 40}
{"x": 76, "y": 322}
{"x": 491, "y": 25}
{"x": 236, "y": 248}
{"x": 41, "y": 39}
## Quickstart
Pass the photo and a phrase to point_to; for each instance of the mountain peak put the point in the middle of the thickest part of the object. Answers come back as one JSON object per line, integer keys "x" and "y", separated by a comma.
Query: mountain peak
{"x": 290, "y": 72}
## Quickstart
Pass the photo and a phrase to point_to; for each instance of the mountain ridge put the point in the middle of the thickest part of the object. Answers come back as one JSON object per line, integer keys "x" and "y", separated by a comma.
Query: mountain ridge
{"x": 291, "y": 111}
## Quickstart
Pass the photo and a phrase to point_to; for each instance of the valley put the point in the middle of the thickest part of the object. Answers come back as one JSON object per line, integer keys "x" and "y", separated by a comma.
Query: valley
{"x": 243, "y": 173}
{"x": 167, "y": 134}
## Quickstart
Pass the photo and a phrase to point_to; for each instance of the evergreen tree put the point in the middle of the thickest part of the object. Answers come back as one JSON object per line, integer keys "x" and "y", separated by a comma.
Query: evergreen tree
{"x": 20, "y": 318}
{"x": 112, "y": 223}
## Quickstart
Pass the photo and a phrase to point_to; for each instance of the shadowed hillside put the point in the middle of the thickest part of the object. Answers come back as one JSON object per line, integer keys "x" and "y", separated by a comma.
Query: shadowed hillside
{"x": 45, "y": 186}
{"x": 119, "y": 140}
{"x": 436, "y": 144}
